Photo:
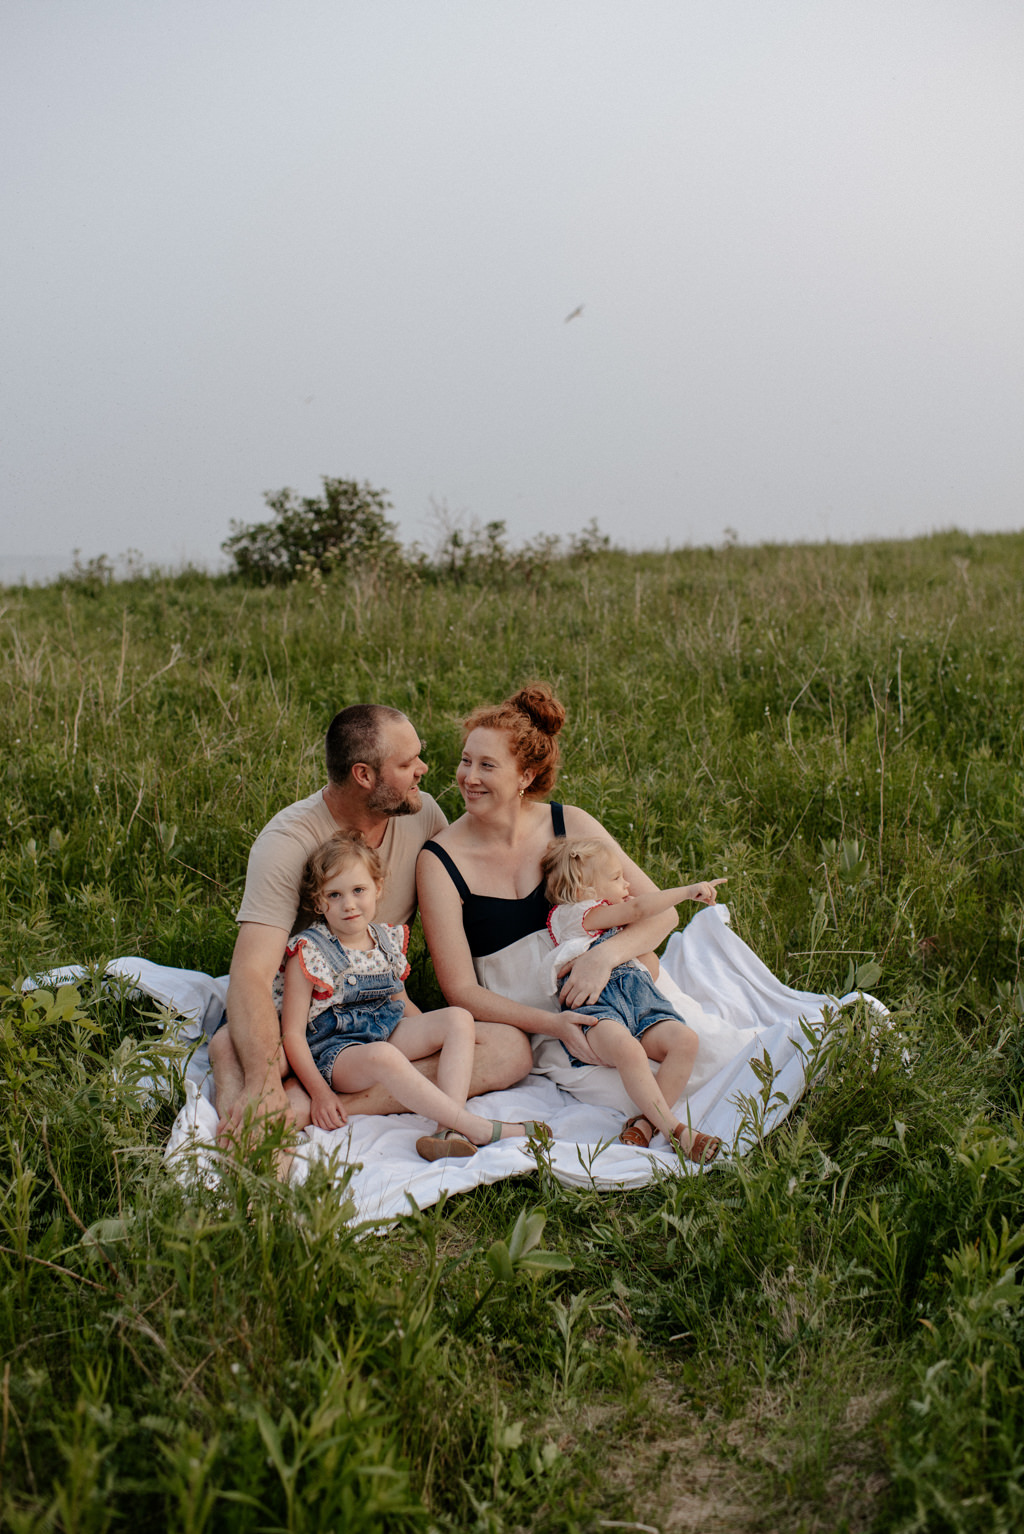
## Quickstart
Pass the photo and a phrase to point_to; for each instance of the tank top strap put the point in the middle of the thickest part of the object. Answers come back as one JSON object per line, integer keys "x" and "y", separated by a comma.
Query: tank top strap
{"x": 557, "y": 827}
{"x": 453, "y": 872}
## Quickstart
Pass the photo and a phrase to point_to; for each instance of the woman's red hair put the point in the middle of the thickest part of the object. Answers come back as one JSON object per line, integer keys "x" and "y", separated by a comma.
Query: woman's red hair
{"x": 532, "y": 719}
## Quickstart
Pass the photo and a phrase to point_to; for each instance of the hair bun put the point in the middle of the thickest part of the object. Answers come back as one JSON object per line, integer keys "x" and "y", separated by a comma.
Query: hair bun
{"x": 539, "y": 704}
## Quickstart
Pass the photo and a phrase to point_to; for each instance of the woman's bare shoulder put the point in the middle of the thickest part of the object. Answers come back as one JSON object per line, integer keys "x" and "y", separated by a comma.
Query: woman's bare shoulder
{"x": 450, "y": 836}
{"x": 579, "y": 823}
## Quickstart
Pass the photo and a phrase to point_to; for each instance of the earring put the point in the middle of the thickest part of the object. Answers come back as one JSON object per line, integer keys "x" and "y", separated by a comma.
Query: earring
{"x": 522, "y": 791}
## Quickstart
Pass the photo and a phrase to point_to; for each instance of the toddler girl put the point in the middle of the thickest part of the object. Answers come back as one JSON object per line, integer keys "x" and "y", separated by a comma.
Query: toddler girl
{"x": 634, "y": 1024}
{"x": 347, "y": 1022}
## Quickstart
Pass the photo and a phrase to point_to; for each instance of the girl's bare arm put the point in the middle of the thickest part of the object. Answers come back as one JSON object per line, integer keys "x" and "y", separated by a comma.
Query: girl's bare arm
{"x": 651, "y": 903}
{"x": 410, "y": 1009}
{"x": 588, "y": 975}
{"x": 298, "y": 993}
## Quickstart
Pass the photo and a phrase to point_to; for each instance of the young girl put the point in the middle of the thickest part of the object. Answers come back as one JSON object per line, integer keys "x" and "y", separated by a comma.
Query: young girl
{"x": 634, "y": 1024}
{"x": 347, "y": 1022}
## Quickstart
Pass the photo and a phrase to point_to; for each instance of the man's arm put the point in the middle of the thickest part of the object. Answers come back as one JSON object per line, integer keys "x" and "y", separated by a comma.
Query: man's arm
{"x": 253, "y": 1022}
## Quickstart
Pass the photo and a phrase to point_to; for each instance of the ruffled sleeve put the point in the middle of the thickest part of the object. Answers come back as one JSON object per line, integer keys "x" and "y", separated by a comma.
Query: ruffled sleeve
{"x": 398, "y": 941}
{"x": 570, "y": 937}
{"x": 314, "y": 966}
{"x": 565, "y": 922}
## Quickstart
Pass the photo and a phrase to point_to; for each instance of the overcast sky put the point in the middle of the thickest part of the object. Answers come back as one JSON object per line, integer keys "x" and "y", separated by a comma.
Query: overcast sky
{"x": 250, "y": 243}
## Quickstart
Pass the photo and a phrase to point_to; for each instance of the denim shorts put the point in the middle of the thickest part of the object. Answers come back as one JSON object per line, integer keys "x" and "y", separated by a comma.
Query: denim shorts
{"x": 630, "y": 998}
{"x": 366, "y": 1022}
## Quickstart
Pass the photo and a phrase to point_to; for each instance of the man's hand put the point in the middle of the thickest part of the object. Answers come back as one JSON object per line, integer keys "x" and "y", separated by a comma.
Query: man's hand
{"x": 254, "y": 1104}
{"x": 586, "y": 977}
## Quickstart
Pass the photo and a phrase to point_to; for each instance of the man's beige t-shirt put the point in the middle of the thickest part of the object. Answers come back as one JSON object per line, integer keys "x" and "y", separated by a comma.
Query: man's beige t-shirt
{"x": 280, "y": 851}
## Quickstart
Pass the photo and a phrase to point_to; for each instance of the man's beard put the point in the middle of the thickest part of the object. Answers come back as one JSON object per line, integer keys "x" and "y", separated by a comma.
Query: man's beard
{"x": 388, "y": 801}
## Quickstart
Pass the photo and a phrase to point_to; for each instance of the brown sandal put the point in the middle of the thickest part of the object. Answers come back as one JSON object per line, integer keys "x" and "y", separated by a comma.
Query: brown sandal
{"x": 444, "y": 1143}
{"x": 631, "y": 1135}
{"x": 702, "y": 1148}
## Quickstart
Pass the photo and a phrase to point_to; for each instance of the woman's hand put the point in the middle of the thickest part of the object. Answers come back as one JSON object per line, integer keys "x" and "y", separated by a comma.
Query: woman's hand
{"x": 326, "y": 1111}
{"x": 568, "y": 1031}
{"x": 586, "y": 977}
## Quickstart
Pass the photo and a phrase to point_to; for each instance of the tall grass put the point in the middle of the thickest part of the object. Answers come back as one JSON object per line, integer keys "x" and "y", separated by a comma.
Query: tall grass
{"x": 826, "y": 1336}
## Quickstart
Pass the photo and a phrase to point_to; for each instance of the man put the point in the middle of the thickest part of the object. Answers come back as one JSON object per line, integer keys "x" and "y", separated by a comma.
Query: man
{"x": 374, "y": 771}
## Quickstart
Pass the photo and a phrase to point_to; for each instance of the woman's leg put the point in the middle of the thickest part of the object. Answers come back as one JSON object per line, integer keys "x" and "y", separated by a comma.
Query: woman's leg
{"x": 364, "y": 1065}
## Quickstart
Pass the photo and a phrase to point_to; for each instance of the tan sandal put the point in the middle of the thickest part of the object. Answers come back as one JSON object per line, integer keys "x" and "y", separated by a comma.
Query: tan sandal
{"x": 534, "y": 1129}
{"x": 631, "y": 1135}
{"x": 702, "y": 1148}
{"x": 444, "y": 1143}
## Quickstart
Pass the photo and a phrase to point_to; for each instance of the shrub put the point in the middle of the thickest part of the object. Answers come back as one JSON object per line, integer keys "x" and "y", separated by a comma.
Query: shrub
{"x": 348, "y": 523}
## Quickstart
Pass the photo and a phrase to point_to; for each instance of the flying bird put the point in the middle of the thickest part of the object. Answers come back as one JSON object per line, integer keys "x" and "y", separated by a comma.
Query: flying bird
{"x": 575, "y": 313}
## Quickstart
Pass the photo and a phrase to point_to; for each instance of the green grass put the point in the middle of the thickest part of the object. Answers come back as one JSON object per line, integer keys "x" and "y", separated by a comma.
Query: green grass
{"x": 825, "y": 1337}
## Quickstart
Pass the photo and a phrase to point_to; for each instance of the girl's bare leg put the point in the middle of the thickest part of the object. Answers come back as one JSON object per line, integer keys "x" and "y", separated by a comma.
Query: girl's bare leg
{"x": 365, "y": 1065}
{"x": 450, "y": 1030}
{"x": 615, "y": 1045}
{"x": 673, "y": 1046}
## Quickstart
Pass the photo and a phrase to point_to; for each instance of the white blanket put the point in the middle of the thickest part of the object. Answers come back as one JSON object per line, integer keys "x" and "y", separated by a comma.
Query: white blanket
{"x": 740, "y": 1010}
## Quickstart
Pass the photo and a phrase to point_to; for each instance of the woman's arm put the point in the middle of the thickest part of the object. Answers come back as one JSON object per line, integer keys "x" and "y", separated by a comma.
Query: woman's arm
{"x": 441, "y": 915}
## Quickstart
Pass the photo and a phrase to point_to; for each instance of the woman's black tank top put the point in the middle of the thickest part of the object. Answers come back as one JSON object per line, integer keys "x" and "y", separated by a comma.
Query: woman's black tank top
{"x": 490, "y": 922}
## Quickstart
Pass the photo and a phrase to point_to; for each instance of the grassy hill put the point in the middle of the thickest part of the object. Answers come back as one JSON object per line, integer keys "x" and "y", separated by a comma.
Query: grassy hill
{"x": 826, "y": 1337}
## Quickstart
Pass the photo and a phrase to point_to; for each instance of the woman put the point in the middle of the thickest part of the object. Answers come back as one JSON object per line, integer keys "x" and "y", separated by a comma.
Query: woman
{"x": 482, "y": 900}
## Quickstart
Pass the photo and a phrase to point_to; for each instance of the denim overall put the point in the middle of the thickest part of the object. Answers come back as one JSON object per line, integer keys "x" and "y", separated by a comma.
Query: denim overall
{"x": 365, "y": 1010}
{"x": 630, "y": 998}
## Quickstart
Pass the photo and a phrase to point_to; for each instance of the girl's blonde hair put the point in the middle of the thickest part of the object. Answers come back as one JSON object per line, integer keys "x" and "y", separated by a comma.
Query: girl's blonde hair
{"x": 336, "y": 853}
{"x": 570, "y": 865}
